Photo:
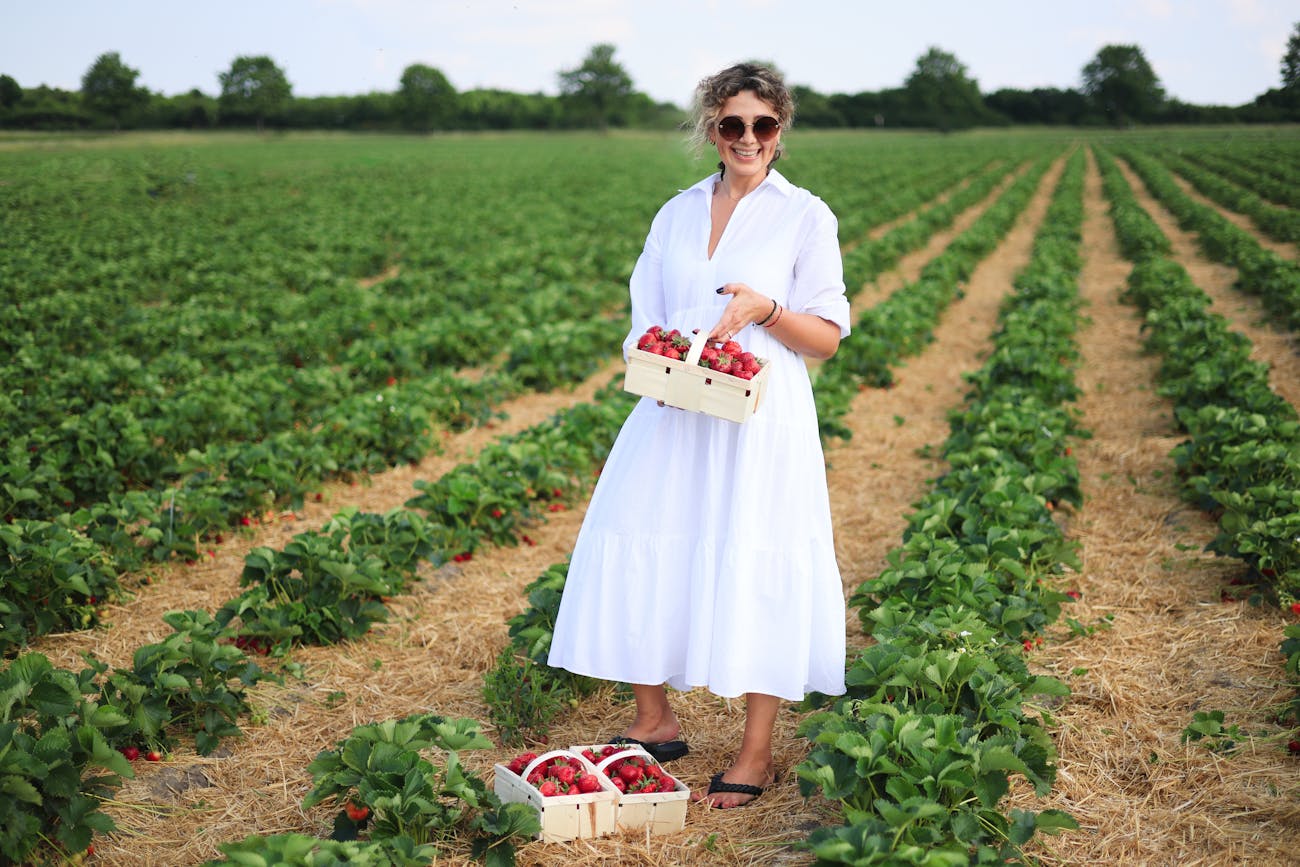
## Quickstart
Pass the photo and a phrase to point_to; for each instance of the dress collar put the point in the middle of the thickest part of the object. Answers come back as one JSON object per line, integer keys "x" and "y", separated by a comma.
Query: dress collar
{"x": 774, "y": 179}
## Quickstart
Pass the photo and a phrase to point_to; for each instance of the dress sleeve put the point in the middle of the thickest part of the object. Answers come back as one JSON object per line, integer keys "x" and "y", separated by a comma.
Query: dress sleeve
{"x": 646, "y": 286}
{"x": 819, "y": 271}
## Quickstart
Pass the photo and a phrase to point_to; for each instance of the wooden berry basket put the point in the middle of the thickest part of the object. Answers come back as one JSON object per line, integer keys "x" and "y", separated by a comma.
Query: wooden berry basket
{"x": 563, "y": 817}
{"x": 659, "y": 812}
{"x": 686, "y": 385}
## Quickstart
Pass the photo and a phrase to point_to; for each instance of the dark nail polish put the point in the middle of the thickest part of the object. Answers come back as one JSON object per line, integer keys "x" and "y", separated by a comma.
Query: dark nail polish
{"x": 719, "y": 289}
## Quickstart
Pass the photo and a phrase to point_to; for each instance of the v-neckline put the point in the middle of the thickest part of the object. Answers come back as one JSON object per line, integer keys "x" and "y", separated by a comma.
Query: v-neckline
{"x": 722, "y": 233}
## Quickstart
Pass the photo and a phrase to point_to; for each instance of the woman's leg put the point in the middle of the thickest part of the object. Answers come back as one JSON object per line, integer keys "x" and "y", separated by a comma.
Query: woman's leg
{"x": 655, "y": 721}
{"x": 753, "y": 765}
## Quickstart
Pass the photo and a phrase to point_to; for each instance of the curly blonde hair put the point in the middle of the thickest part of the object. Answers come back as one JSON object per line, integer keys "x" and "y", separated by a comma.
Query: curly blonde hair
{"x": 712, "y": 91}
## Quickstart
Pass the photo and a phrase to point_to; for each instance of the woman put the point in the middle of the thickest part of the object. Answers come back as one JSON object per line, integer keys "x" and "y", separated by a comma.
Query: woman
{"x": 706, "y": 556}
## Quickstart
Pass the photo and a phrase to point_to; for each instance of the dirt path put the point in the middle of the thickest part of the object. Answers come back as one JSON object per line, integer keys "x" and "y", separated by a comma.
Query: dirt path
{"x": 1140, "y": 796}
{"x": 1279, "y": 349}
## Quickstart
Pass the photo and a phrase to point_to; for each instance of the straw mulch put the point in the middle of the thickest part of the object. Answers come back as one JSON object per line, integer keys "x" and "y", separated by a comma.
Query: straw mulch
{"x": 1140, "y": 796}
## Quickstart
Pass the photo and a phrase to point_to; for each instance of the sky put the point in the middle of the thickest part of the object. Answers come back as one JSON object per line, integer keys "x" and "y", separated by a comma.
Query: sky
{"x": 1205, "y": 52}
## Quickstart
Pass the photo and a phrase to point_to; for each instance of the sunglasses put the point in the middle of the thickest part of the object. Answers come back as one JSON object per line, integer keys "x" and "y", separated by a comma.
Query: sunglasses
{"x": 732, "y": 128}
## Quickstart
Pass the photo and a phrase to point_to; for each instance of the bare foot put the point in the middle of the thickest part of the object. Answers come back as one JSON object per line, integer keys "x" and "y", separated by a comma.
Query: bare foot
{"x": 762, "y": 776}
{"x": 654, "y": 731}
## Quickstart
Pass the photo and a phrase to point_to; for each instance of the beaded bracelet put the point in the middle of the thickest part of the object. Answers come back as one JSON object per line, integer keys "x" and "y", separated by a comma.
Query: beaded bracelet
{"x": 769, "y": 315}
{"x": 779, "y": 311}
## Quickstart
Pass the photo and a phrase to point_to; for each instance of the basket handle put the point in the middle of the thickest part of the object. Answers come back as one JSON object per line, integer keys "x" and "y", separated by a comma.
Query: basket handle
{"x": 633, "y": 750}
{"x": 698, "y": 343}
{"x": 553, "y": 754}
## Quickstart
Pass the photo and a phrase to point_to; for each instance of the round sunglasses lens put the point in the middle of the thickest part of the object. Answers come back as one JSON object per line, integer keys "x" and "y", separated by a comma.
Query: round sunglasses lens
{"x": 731, "y": 128}
{"x": 765, "y": 128}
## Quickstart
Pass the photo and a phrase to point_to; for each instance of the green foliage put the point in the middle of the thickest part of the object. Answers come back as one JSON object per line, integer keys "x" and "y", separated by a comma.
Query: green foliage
{"x": 597, "y": 92}
{"x": 1122, "y": 84}
{"x": 524, "y": 694}
{"x": 941, "y": 93}
{"x": 108, "y": 87}
{"x": 299, "y": 850}
{"x": 56, "y": 763}
{"x": 253, "y": 86}
{"x": 426, "y": 99}
{"x": 193, "y": 681}
{"x": 382, "y": 766}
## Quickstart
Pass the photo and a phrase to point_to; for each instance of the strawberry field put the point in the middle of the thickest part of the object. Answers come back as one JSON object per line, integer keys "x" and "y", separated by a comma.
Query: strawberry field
{"x": 298, "y": 433}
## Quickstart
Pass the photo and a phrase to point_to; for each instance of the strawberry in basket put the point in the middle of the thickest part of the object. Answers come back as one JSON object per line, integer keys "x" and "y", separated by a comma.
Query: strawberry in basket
{"x": 729, "y": 357}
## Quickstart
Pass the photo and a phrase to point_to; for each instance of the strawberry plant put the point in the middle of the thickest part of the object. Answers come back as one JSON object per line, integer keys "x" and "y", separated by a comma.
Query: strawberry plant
{"x": 299, "y": 850}
{"x": 191, "y": 681}
{"x": 382, "y": 766}
{"x": 522, "y": 693}
{"x": 56, "y": 762}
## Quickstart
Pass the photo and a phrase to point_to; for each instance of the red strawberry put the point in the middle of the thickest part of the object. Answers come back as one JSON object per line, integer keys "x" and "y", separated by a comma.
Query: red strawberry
{"x": 547, "y": 788}
{"x": 731, "y": 347}
{"x": 564, "y": 773}
{"x": 153, "y": 756}
{"x": 131, "y": 753}
{"x": 629, "y": 773}
{"x": 356, "y": 812}
{"x": 1295, "y": 607}
{"x": 588, "y": 784}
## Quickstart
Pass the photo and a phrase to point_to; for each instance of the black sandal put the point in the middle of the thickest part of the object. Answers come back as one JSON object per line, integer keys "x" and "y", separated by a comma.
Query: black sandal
{"x": 664, "y": 751}
{"x": 719, "y": 786}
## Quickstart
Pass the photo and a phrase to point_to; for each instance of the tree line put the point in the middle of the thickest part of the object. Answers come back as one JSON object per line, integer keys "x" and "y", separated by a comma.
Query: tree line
{"x": 1119, "y": 88}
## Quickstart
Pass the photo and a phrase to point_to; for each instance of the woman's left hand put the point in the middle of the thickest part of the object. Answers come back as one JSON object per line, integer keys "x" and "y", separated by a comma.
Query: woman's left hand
{"x": 745, "y": 308}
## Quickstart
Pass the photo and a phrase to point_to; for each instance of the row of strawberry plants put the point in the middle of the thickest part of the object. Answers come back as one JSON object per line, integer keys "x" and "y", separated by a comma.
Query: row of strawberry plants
{"x": 1241, "y": 460}
{"x": 119, "y": 425}
{"x": 938, "y": 714}
{"x": 872, "y": 257}
{"x": 1250, "y": 175}
{"x": 1260, "y": 272}
{"x": 1280, "y": 224}
{"x": 902, "y": 324}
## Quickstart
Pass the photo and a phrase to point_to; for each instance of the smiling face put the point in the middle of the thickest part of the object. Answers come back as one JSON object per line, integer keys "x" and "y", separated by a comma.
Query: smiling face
{"x": 747, "y": 158}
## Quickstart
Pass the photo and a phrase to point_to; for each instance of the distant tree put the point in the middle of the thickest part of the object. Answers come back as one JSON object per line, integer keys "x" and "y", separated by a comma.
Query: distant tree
{"x": 254, "y": 87}
{"x": 1042, "y": 105}
{"x": 941, "y": 94}
{"x": 108, "y": 87}
{"x": 1291, "y": 61}
{"x": 815, "y": 109}
{"x": 426, "y": 99}
{"x": 10, "y": 92}
{"x": 1122, "y": 85}
{"x": 597, "y": 93}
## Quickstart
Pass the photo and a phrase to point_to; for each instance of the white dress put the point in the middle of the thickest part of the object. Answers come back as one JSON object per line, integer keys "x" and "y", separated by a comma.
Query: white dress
{"x": 706, "y": 556}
